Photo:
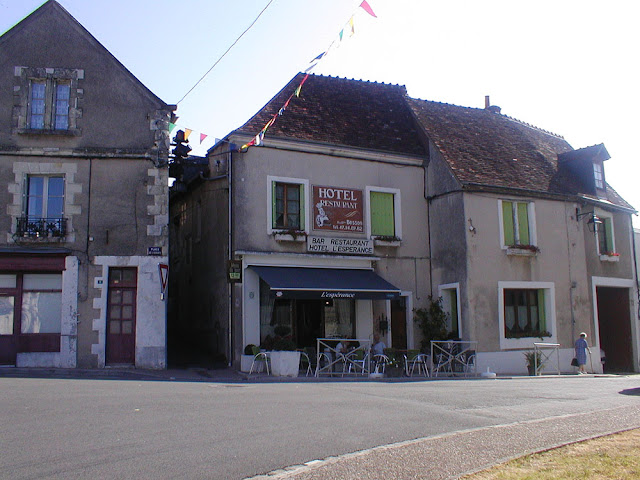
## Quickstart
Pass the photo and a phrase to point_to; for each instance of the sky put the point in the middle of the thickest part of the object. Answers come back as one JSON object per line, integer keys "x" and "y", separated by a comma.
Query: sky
{"x": 567, "y": 66}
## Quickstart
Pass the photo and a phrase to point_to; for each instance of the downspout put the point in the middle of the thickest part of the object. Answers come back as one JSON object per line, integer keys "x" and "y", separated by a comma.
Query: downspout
{"x": 230, "y": 255}
{"x": 635, "y": 268}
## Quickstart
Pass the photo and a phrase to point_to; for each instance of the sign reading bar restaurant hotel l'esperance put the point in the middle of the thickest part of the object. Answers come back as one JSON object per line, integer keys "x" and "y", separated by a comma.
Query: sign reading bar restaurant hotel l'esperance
{"x": 338, "y": 209}
{"x": 345, "y": 246}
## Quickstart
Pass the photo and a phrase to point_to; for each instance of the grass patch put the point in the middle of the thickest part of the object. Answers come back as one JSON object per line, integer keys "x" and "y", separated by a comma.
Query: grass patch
{"x": 611, "y": 457}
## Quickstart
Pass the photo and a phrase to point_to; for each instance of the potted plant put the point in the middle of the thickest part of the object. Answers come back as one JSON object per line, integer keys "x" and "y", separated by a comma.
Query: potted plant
{"x": 432, "y": 322}
{"x": 395, "y": 367}
{"x": 533, "y": 358}
{"x": 285, "y": 360}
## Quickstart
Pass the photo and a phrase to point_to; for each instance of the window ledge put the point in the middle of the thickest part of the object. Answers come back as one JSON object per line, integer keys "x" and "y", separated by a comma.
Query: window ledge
{"x": 387, "y": 242}
{"x": 27, "y": 239}
{"x": 609, "y": 258}
{"x": 71, "y": 132}
{"x": 522, "y": 252}
{"x": 290, "y": 237}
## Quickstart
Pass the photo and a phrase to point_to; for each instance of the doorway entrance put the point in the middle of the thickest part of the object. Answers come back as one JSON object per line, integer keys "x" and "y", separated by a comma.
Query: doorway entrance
{"x": 121, "y": 316}
{"x": 399, "y": 323}
{"x": 614, "y": 328}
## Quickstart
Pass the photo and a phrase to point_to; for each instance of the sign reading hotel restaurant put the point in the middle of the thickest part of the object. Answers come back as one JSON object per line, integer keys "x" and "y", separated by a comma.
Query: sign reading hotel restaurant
{"x": 338, "y": 209}
{"x": 344, "y": 246}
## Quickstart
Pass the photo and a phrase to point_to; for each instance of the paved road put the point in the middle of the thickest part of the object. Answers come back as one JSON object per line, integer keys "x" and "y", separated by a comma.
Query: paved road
{"x": 84, "y": 428}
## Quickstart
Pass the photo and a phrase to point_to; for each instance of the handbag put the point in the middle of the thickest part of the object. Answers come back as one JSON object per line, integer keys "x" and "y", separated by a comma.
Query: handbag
{"x": 574, "y": 362}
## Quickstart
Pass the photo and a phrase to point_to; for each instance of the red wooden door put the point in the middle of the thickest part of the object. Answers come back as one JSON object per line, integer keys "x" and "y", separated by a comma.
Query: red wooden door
{"x": 121, "y": 316}
{"x": 8, "y": 333}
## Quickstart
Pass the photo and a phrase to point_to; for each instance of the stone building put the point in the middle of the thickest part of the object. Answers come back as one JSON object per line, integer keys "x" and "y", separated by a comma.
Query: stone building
{"x": 83, "y": 177}
{"x": 518, "y": 233}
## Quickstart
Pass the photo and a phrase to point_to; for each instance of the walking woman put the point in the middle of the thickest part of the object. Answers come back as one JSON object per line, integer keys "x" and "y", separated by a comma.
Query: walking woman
{"x": 581, "y": 353}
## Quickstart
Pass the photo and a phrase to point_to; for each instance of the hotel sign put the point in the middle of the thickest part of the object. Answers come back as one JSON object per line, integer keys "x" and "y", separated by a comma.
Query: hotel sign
{"x": 338, "y": 209}
{"x": 343, "y": 246}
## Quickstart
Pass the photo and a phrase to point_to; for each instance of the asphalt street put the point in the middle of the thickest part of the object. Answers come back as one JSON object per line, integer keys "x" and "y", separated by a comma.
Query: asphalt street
{"x": 87, "y": 428}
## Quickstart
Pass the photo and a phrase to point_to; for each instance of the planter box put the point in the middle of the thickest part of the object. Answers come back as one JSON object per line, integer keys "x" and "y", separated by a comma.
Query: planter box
{"x": 285, "y": 364}
{"x": 393, "y": 372}
{"x": 246, "y": 361}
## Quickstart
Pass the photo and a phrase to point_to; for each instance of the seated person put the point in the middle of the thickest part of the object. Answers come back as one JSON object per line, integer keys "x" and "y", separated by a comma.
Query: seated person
{"x": 378, "y": 346}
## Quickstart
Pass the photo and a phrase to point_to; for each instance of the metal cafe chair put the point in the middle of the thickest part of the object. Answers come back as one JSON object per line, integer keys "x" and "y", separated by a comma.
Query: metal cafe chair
{"x": 305, "y": 361}
{"x": 414, "y": 359}
{"x": 380, "y": 361}
{"x": 260, "y": 358}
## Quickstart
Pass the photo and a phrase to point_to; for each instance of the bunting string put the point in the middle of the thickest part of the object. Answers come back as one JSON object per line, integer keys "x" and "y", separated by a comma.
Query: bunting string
{"x": 350, "y": 26}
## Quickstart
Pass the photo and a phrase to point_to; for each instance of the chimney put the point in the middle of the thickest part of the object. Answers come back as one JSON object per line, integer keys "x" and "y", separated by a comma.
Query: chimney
{"x": 488, "y": 106}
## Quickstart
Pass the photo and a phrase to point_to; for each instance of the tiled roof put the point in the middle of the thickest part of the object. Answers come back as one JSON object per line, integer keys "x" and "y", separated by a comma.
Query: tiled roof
{"x": 486, "y": 148}
{"x": 338, "y": 111}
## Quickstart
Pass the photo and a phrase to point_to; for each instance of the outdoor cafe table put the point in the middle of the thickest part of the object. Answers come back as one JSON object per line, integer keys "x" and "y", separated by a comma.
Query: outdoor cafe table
{"x": 327, "y": 352}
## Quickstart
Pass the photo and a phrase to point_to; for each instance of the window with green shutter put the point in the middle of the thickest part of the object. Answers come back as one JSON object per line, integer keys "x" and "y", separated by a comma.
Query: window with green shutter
{"x": 605, "y": 236}
{"x": 525, "y": 313}
{"x": 382, "y": 214}
{"x": 515, "y": 223}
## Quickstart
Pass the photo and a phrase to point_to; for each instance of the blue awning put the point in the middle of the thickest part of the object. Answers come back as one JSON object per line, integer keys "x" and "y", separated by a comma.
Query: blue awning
{"x": 309, "y": 283}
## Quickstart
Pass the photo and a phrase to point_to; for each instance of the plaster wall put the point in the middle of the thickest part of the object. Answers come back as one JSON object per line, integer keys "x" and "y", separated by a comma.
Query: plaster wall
{"x": 150, "y": 310}
{"x": 559, "y": 264}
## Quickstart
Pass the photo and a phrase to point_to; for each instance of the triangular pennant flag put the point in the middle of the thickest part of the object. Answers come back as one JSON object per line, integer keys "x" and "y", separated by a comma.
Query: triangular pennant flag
{"x": 297, "y": 92}
{"x": 309, "y": 68}
{"x": 353, "y": 30}
{"x": 341, "y": 34}
{"x": 187, "y": 132}
{"x": 367, "y": 8}
{"x": 171, "y": 126}
{"x": 318, "y": 57}
{"x": 202, "y": 137}
{"x": 281, "y": 111}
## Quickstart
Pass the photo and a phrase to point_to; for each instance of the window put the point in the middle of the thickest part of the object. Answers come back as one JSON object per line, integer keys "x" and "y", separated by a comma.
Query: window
{"x": 287, "y": 213}
{"x": 450, "y": 304}
{"x": 524, "y": 313}
{"x": 43, "y": 207}
{"x": 382, "y": 221}
{"x": 598, "y": 175}
{"x": 286, "y": 207}
{"x": 41, "y": 303}
{"x": 49, "y": 100}
{"x": 517, "y": 223}
{"x": 604, "y": 233}
{"x": 49, "y": 104}
{"x": 384, "y": 213}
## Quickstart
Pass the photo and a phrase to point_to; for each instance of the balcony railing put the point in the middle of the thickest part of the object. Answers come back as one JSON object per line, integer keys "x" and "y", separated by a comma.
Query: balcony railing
{"x": 32, "y": 227}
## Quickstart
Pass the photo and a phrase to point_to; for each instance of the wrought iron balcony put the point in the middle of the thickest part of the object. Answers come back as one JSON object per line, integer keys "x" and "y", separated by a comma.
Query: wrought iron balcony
{"x": 33, "y": 227}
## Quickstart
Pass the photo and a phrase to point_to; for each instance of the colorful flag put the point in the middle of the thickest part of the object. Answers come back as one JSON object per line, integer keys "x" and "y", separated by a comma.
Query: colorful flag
{"x": 202, "y": 137}
{"x": 187, "y": 132}
{"x": 171, "y": 126}
{"x": 297, "y": 92}
{"x": 367, "y": 8}
{"x": 353, "y": 30}
{"x": 341, "y": 34}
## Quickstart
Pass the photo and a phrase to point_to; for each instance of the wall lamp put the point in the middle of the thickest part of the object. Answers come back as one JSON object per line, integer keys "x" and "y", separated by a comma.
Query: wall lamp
{"x": 594, "y": 221}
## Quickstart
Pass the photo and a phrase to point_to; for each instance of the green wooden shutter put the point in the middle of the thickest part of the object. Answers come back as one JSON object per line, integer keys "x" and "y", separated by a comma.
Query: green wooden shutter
{"x": 523, "y": 224}
{"x": 273, "y": 205}
{"x": 542, "y": 314}
{"x": 608, "y": 230}
{"x": 302, "y": 210}
{"x": 507, "y": 223}
{"x": 382, "y": 218}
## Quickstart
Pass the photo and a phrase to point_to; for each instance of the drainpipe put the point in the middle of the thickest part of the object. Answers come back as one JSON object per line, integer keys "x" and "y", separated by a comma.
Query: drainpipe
{"x": 230, "y": 255}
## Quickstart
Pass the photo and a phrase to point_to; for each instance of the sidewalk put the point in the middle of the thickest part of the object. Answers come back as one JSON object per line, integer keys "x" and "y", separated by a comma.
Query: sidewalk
{"x": 221, "y": 375}
{"x": 455, "y": 454}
